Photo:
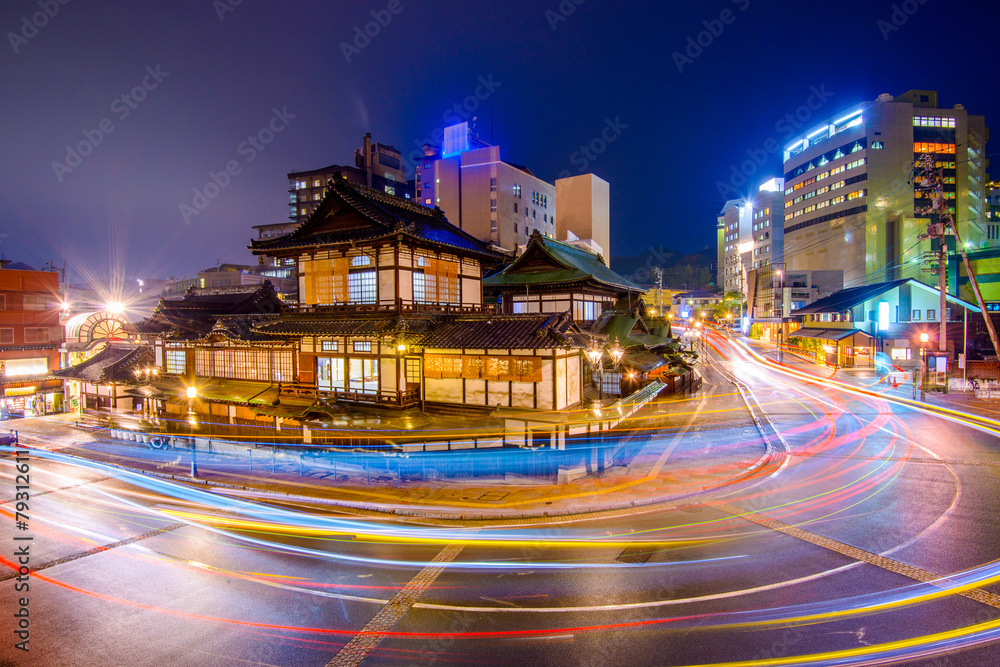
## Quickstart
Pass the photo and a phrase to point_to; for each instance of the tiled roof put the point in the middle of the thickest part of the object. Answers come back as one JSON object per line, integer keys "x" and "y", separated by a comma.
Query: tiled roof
{"x": 848, "y": 298}
{"x": 642, "y": 360}
{"x": 319, "y": 325}
{"x": 568, "y": 264}
{"x": 388, "y": 216}
{"x": 534, "y": 331}
{"x": 450, "y": 331}
{"x": 229, "y": 311}
{"x": 115, "y": 363}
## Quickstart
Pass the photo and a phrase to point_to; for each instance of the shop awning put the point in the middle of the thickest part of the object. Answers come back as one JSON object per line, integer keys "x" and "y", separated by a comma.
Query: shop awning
{"x": 828, "y": 334}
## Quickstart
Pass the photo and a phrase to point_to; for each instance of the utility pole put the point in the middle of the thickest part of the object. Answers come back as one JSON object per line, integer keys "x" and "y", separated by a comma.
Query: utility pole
{"x": 929, "y": 178}
{"x": 659, "y": 278}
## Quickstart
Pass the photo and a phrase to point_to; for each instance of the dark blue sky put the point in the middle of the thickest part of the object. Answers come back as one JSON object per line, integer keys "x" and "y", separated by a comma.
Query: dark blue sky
{"x": 220, "y": 80}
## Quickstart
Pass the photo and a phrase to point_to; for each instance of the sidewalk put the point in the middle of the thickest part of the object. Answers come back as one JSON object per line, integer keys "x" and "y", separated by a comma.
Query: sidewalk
{"x": 869, "y": 379}
{"x": 670, "y": 466}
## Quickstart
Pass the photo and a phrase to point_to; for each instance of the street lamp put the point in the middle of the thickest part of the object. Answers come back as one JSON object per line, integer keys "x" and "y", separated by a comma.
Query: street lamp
{"x": 192, "y": 393}
{"x": 594, "y": 354}
{"x": 924, "y": 337}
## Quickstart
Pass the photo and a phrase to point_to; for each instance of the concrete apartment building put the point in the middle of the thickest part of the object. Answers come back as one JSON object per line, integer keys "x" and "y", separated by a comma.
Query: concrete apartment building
{"x": 30, "y": 337}
{"x": 584, "y": 206}
{"x": 375, "y": 165}
{"x": 497, "y": 202}
{"x": 848, "y": 204}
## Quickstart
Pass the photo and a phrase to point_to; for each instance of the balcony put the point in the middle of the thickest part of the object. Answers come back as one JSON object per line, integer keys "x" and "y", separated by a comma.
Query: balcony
{"x": 397, "y": 307}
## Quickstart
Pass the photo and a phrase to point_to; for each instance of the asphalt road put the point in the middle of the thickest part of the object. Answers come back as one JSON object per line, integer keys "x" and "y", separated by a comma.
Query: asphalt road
{"x": 871, "y": 535}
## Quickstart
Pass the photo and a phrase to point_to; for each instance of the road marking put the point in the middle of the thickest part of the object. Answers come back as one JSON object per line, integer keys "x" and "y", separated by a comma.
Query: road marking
{"x": 64, "y": 488}
{"x": 888, "y": 564}
{"x": 369, "y": 637}
{"x": 880, "y": 459}
{"x": 97, "y": 550}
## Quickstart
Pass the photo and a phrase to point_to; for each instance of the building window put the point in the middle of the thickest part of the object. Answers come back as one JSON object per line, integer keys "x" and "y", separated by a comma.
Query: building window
{"x": 329, "y": 374}
{"x": 6, "y": 335}
{"x": 363, "y": 376}
{"x": 493, "y": 206}
{"x": 363, "y": 346}
{"x": 177, "y": 362}
{"x": 36, "y": 334}
{"x": 390, "y": 190}
{"x": 244, "y": 363}
{"x": 35, "y": 302}
{"x": 515, "y": 207}
{"x": 362, "y": 287}
{"x": 900, "y": 353}
{"x": 329, "y": 346}
{"x": 412, "y": 370}
{"x": 3, "y": 297}
{"x": 493, "y": 185}
{"x": 916, "y": 316}
{"x": 931, "y": 314}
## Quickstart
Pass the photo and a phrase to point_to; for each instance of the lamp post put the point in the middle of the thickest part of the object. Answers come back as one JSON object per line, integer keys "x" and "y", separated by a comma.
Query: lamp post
{"x": 923, "y": 366}
{"x": 192, "y": 393}
{"x": 616, "y": 352}
{"x": 594, "y": 354}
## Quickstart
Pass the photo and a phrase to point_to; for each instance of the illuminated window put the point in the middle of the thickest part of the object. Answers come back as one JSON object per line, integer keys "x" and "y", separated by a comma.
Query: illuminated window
{"x": 900, "y": 353}
{"x": 363, "y": 346}
{"x": 177, "y": 362}
{"x": 329, "y": 346}
{"x": 23, "y": 367}
{"x": 363, "y": 376}
{"x": 244, "y": 363}
{"x": 361, "y": 260}
{"x": 329, "y": 374}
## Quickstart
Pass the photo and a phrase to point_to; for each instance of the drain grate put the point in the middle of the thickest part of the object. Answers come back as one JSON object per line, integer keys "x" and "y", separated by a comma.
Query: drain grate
{"x": 637, "y": 554}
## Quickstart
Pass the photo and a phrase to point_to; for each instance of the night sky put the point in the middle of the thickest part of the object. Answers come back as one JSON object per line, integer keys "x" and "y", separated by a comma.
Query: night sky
{"x": 211, "y": 74}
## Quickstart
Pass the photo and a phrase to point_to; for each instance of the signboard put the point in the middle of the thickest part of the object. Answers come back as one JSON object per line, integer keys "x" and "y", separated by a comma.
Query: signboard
{"x": 942, "y": 364}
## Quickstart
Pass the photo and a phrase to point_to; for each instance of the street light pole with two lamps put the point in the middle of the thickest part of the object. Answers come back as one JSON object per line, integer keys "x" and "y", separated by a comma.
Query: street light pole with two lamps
{"x": 192, "y": 393}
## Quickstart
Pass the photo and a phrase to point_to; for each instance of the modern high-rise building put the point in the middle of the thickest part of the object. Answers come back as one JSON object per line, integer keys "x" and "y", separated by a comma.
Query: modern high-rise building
{"x": 736, "y": 245}
{"x": 497, "y": 202}
{"x": 766, "y": 226}
{"x": 848, "y": 201}
{"x": 375, "y": 165}
{"x": 752, "y": 235}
